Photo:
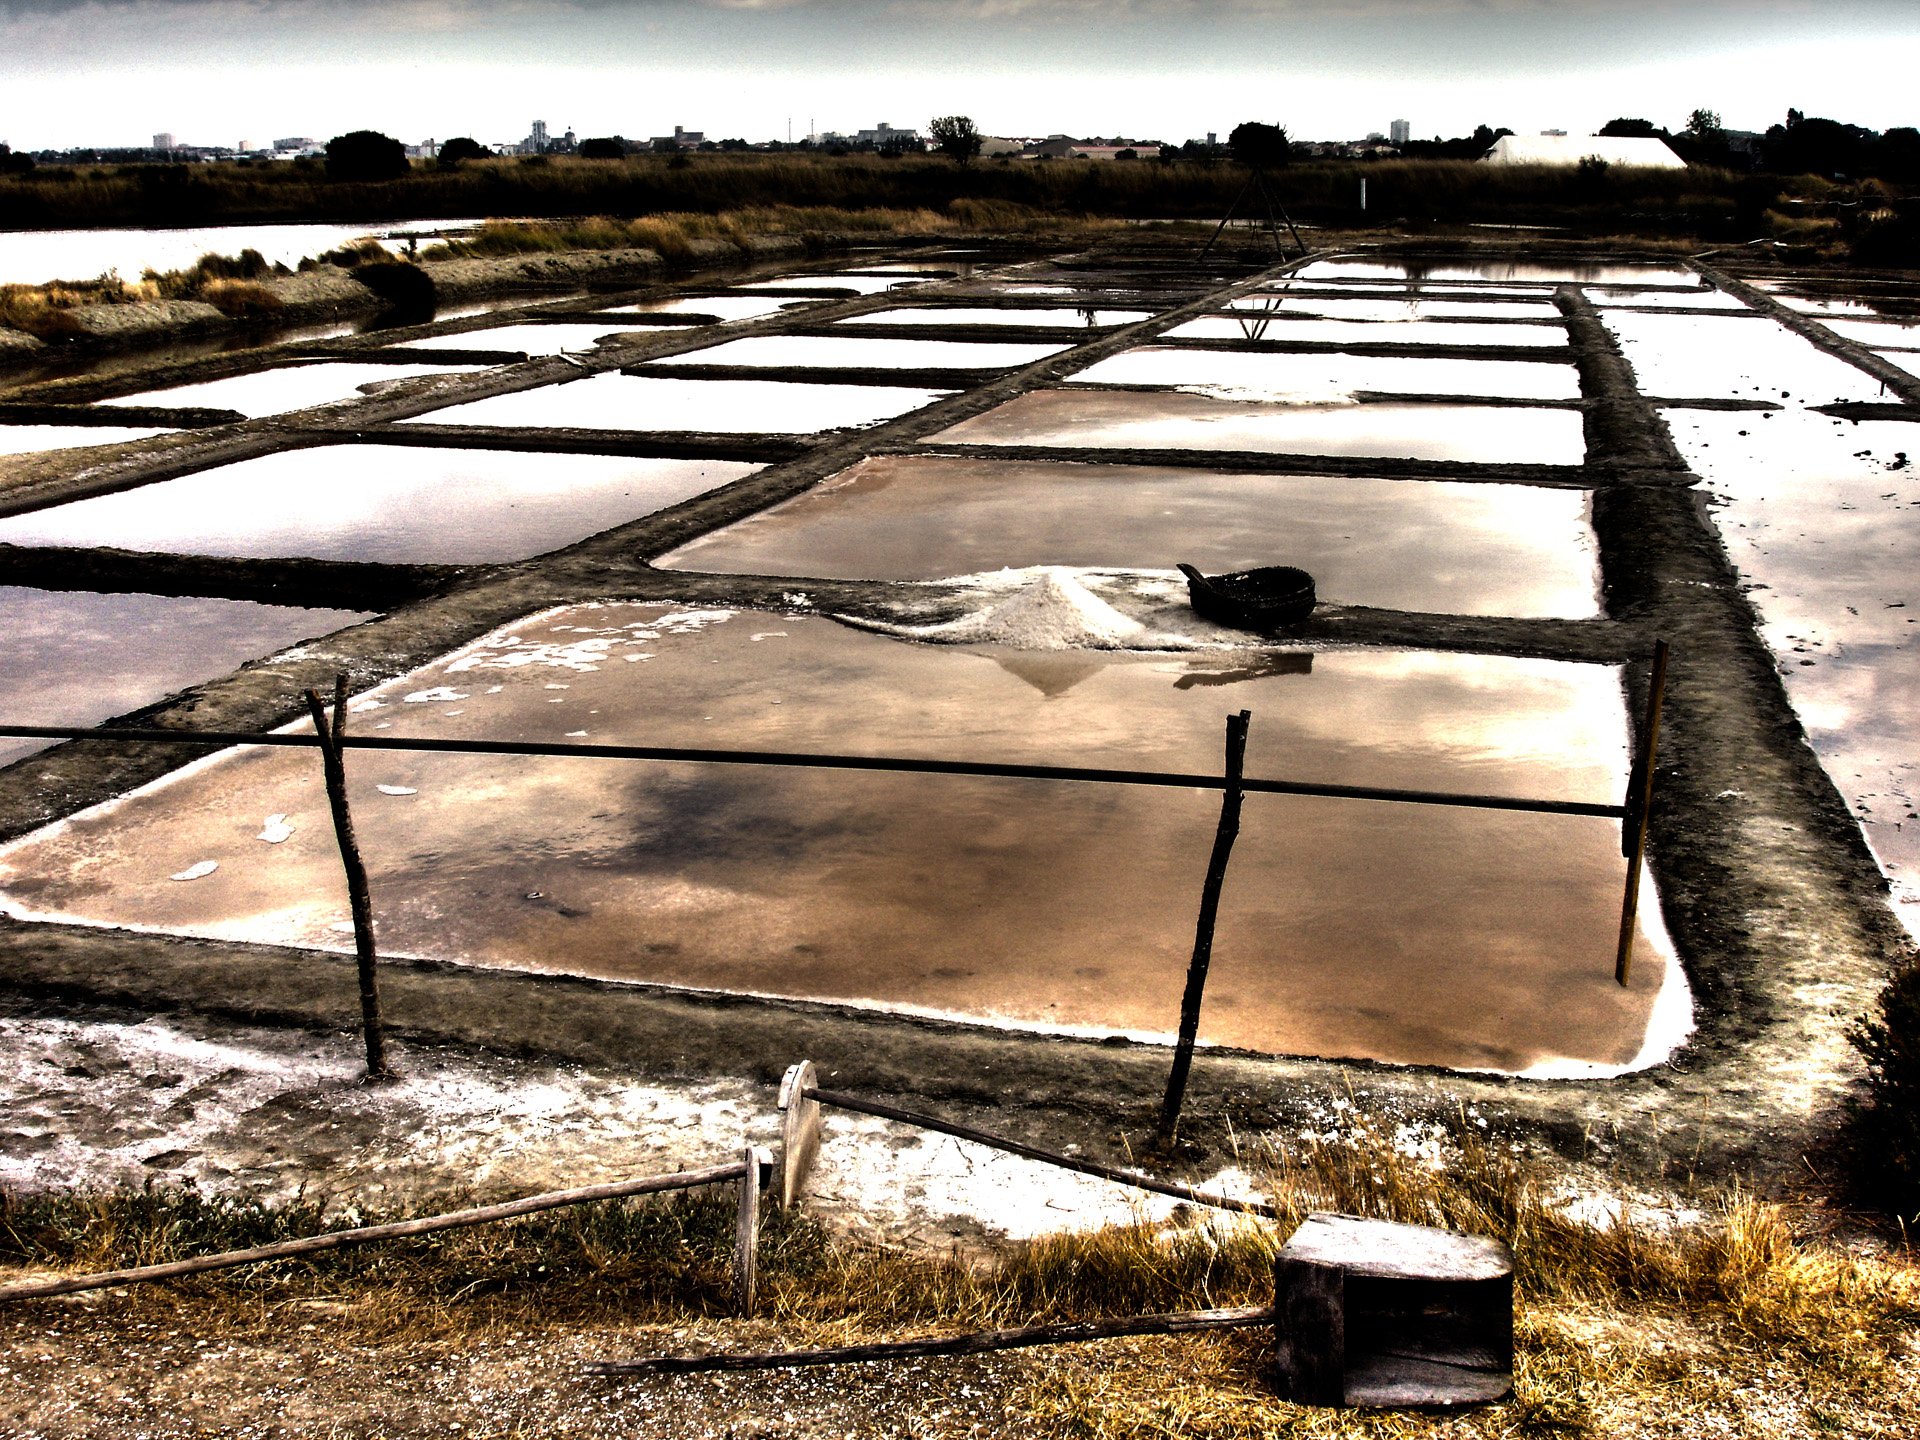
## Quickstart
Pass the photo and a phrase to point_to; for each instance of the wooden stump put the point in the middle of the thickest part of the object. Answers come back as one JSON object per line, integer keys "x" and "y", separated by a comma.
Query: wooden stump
{"x": 1369, "y": 1313}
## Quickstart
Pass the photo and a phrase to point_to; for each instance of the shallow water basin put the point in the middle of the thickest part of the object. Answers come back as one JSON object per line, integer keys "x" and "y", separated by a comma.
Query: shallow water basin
{"x": 988, "y": 315}
{"x": 613, "y": 401}
{"x": 1716, "y": 300}
{"x": 288, "y": 387}
{"x": 1901, "y": 312}
{"x": 1347, "y": 928}
{"x": 858, "y": 284}
{"x": 1411, "y": 545}
{"x": 1097, "y": 419}
{"x": 33, "y": 439}
{"x": 534, "y": 338}
{"x": 1823, "y": 515}
{"x": 1876, "y": 334}
{"x": 1255, "y": 325}
{"x": 1688, "y": 356}
{"x": 725, "y": 307}
{"x": 1312, "y": 378}
{"x": 1525, "y": 271}
{"x": 818, "y": 351}
{"x": 386, "y": 503}
{"x": 1418, "y": 308}
{"x": 77, "y": 658}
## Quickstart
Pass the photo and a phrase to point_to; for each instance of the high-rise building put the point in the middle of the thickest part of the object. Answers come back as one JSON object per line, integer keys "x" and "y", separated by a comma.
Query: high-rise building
{"x": 163, "y": 141}
{"x": 1399, "y": 132}
{"x": 539, "y": 136}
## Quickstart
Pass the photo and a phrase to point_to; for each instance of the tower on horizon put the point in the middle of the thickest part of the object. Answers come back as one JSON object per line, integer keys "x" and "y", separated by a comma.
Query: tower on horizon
{"x": 1399, "y": 132}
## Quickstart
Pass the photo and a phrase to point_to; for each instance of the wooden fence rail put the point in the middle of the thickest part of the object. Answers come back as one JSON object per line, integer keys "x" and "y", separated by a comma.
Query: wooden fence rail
{"x": 747, "y": 1171}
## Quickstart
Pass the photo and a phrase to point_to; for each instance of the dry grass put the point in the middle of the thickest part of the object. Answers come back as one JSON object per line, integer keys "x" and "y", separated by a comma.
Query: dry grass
{"x": 1743, "y": 1321}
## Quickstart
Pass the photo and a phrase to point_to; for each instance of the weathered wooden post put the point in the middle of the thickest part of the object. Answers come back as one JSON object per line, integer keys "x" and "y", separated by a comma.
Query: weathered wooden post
{"x": 1633, "y": 829}
{"x": 746, "y": 1235}
{"x": 1223, "y": 838}
{"x": 799, "y": 1133}
{"x": 359, "y": 900}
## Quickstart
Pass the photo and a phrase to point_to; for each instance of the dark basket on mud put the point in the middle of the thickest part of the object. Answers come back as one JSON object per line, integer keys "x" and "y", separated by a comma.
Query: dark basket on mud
{"x": 1270, "y": 598}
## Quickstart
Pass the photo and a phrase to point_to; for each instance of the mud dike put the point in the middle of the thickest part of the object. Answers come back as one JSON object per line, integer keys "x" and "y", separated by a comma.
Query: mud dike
{"x": 931, "y": 508}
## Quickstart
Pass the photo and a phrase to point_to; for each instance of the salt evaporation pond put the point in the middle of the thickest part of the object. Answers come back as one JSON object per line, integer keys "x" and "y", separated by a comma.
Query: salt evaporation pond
{"x": 1527, "y": 271}
{"x": 533, "y": 338}
{"x": 725, "y": 308}
{"x": 33, "y": 439}
{"x": 1716, "y": 301}
{"x": 1823, "y": 515}
{"x": 1718, "y": 357}
{"x": 1106, "y": 419}
{"x": 1905, "y": 312}
{"x": 1412, "y": 545}
{"x": 1418, "y": 307}
{"x": 286, "y": 387}
{"x": 817, "y": 351}
{"x": 858, "y": 284}
{"x": 1878, "y": 334}
{"x": 613, "y": 401}
{"x": 1311, "y": 377}
{"x": 1254, "y": 325}
{"x": 77, "y": 658}
{"x": 1014, "y": 315}
{"x": 383, "y": 503}
{"x": 1405, "y": 933}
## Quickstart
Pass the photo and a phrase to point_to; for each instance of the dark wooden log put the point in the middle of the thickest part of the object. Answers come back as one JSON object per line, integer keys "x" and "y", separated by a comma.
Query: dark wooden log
{"x": 979, "y": 1342}
{"x": 338, "y": 1239}
{"x": 1190, "y": 1000}
{"x": 359, "y": 898}
{"x": 842, "y": 1101}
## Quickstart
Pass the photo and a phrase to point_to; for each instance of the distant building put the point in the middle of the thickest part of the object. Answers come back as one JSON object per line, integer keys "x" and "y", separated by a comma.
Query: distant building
{"x": 538, "y": 139}
{"x": 1058, "y": 147}
{"x": 1399, "y": 132}
{"x": 297, "y": 142}
{"x": 884, "y": 137}
{"x": 679, "y": 140}
{"x": 1568, "y": 151}
{"x": 164, "y": 141}
{"x": 1553, "y": 134}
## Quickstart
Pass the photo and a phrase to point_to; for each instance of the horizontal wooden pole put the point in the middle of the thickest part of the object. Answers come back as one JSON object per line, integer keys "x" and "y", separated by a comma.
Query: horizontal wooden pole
{"x": 806, "y": 761}
{"x": 340, "y": 1239}
{"x": 842, "y": 1101}
{"x": 1180, "y": 1322}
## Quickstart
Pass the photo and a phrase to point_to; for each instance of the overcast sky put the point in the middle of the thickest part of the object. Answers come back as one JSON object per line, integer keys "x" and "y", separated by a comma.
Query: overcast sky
{"x": 216, "y": 72}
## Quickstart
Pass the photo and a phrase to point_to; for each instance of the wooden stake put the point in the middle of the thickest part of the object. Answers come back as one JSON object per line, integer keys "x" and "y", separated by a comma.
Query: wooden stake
{"x": 338, "y": 1239}
{"x": 1223, "y": 838}
{"x": 1639, "y": 806}
{"x": 1179, "y": 1322}
{"x": 359, "y": 900}
{"x": 746, "y": 1233}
